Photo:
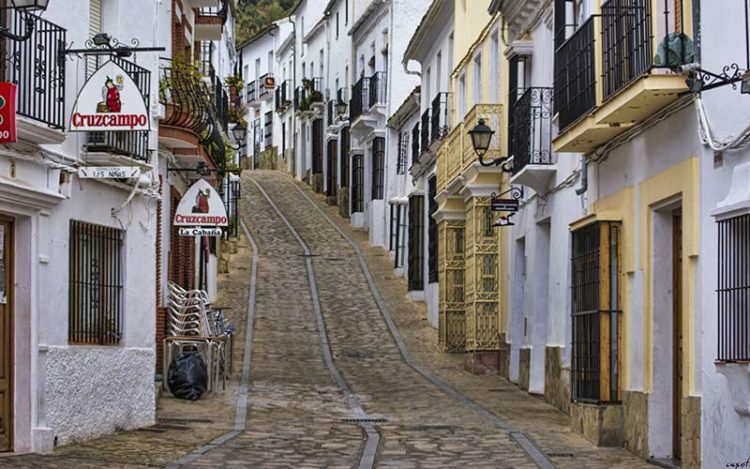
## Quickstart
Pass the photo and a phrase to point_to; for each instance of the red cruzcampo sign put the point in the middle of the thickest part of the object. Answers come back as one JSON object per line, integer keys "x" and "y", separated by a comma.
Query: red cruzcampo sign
{"x": 201, "y": 206}
{"x": 7, "y": 112}
{"x": 109, "y": 100}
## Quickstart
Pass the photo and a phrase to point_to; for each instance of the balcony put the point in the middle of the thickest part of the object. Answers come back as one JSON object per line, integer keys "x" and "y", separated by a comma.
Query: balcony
{"x": 415, "y": 144}
{"x": 265, "y": 87}
{"x": 192, "y": 125}
{"x": 283, "y": 96}
{"x": 425, "y": 134}
{"x": 439, "y": 121}
{"x": 308, "y": 95}
{"x": 252, "y": 95}
{"x": 209, "y": 21}
{"x": 368, "y": 99}
{"x": 456, "y": 156}
{"x": 37, "y": 67}
{"x": 110, "y": 147}
{"x": 617, "y": 46}
{"x": 530, "y": 139}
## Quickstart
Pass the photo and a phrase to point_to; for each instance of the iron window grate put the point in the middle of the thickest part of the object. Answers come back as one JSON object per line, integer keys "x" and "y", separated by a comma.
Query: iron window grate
{"x": 733, "y": 290}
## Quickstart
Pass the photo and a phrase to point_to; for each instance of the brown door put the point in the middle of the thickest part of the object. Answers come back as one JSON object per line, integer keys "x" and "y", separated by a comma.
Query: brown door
{"x": 677, "y": 342}
{"x": 6, "y": 335}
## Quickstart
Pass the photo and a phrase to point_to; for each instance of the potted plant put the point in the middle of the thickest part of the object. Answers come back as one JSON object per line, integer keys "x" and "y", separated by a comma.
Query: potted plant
{"x": 234, "y": 85}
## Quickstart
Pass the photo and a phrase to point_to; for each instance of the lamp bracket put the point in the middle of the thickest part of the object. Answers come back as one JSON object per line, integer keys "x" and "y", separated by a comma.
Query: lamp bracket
{"x": 699, "y": 79}
{"x": 506, "y": 165}
{"x": 29, "y": 23}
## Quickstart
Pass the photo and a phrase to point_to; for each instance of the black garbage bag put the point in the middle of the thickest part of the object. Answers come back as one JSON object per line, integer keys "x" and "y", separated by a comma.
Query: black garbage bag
{"x": 187, "y": 376}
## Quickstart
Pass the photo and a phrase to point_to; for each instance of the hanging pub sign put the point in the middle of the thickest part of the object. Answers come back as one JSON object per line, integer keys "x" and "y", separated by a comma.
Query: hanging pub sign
{"x": 201, "y": 206}
{"x": 504, "y": 205}
{"x": 109, "y": 100}
{"x": 269, "y": 83}
{"x": 7, "y": 112}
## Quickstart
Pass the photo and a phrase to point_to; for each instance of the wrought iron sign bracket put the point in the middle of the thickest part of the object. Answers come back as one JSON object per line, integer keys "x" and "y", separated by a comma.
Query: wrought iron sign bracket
{"x": 104, "y": 44}
{"x": 504, "y": 162}
{"x": 699, "y": 79}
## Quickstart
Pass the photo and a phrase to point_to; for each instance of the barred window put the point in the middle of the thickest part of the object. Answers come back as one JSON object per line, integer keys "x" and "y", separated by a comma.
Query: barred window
{"x": 403, "y": 152}
{"x": 378, "y": 168}
{"x": 416, "y": 242}
{"x": 415, "y": 143}
{"x": 734, "y": 289}
{"x": 344, "y": 149}
{"x": 95, "y": 284}
{"x": 432, "y": 260}
{"x": 268, "y": 122}
{"x": 357, "y": 185}
{"x": 595, "y": 313}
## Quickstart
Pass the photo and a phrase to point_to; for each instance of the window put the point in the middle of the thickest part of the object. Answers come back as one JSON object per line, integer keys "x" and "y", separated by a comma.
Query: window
{"x": 461, "y": 96}
{"x": 450, "y": 54}
{"x": 337, "y": 25}
{"x": 378, "y": 168}
{"x": 415, "y": 143}
{"x": 494, "y": 68}
{"x": 283, "y": 139}
{"x": 398, "y": 234}
{"x": 403, "y": 152}
{"x": 478, "y": 79}
{"x": 357, "y": 184}
{"x": 595, "y": 313}
{"x": 733, "y": 290}
{"x": 565, "y": 20}
{"x": 270, "y": 61}
{"x": 416, "y": 243}
{"x": 432, "y": 232}
{"x": 317, "y": 146}
{"x": 95, "y": 284}
{"x": 428, "y": 84}
{"x": 268, "y": 134}
{"x": 344, "y": 149}
{"x": 438, "y": 73}
{"x": 346, "y": 11}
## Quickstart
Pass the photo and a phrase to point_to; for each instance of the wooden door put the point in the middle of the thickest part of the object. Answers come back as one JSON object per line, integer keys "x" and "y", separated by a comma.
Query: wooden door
{"x": 6, "y": 335}
{"x": 677, "y": 339}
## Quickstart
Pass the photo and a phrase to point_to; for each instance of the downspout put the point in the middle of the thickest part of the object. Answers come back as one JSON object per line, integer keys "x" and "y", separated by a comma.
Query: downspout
{"x": 584, "y": 177}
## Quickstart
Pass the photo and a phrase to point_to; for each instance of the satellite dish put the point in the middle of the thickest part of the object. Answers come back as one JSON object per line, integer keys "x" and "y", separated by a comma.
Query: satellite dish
{"x": 674, "y": 50}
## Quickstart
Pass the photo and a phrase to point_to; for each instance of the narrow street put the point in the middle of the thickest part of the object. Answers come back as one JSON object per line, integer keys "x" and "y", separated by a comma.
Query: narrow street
{"x": 391, "y": 389}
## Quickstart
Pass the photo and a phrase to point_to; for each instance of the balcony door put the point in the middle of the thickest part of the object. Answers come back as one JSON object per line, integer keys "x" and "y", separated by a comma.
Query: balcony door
{"x": 6, "y": 334}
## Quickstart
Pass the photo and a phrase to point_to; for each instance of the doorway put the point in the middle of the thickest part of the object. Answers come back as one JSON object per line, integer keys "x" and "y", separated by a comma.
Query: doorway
{"x": 677, "y": 336}
{"x": 6, "y": 335}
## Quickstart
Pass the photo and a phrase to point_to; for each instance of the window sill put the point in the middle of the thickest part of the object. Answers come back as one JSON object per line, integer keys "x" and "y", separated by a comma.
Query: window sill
{"x": 738, "y": 381}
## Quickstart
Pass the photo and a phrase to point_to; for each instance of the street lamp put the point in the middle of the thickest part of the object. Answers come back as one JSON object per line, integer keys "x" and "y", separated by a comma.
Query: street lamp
{"x": 340, "y": 107}
{"x": 239, "y": 132}
{"x": 481, "y": 137}
{"x": 29, "y": 4}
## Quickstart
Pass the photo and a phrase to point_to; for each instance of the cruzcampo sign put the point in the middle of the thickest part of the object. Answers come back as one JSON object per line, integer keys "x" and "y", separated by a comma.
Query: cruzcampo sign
{"x": 109, "y": 100}
{"x": 201, "y": 206}
{"x": 7, "y": 112}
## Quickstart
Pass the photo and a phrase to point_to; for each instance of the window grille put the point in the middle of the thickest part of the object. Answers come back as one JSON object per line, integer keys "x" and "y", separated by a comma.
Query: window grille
{"x": 317, "y": 146}
{"x": 595, "y": 313}
{"x": 432, "y": 235}
{"x": 415, "y": 143}
{"x": 416, "y": 242}
{"x": 403, "y": 152}
{"x": 344, "y": 157}
{"x": 357, "y": 184}
{"x": 268, "y": 135}
{"x": 452, "y": 321}
{"x": 95, "y": 284}
{"x": 232, "y": 204}
{"x": 332, "y": 172}
{"x": 378, "y": 168}
{"x": 401, "y": 235}
{"x": 734, "y": 289}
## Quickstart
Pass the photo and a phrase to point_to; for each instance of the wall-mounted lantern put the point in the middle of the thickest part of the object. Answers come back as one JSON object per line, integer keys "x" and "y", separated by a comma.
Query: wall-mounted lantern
{"x": 481, "y": 137}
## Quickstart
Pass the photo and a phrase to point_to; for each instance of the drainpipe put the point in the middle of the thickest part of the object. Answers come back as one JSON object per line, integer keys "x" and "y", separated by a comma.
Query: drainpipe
{"x": 584, "y": 177}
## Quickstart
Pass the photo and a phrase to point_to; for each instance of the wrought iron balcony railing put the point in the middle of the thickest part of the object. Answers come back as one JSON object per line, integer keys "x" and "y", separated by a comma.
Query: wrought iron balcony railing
{"x": 359, "y": 101}
{"x": 251, "y": 93}
{"x": 378, "y": 89}
{"x": 309, "y": 93}
{"x": 37, "y": 66}
{"x": 132, "y": 144}
{"x": 439, "y": 120}
{"x": 221, "y": 102}
{"x": 219, "y": 11}
{"x": 575, "y": 78}
{"x": 425, "y": 130}
{"x": 626, "y": 43}
{"x": 283, "y": 95}
{"x": 530, "y": 129}
{"x": 415, "y": 143}
{"x": 262, "y": 89}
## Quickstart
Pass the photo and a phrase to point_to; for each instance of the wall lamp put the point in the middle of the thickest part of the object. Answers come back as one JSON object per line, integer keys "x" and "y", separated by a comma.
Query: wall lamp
{"x": 481, "y": 137}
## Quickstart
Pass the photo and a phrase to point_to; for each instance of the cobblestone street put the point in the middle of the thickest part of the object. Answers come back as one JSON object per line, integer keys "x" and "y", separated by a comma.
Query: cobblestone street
{"x": 427, "y": 411}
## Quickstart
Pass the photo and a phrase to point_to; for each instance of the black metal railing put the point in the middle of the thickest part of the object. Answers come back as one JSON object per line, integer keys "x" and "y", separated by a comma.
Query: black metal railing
{"x": 231, "y": 195}
{"x": 626, "y": 43}
{"x": 37, "y": 66}
{"x": 268, "y": 130}
{"x": 439, "y": 120}
{"x": 733, "y": 290}
{"x": 284, "y": 95}
{"x": 95, "y": 284}
{"x": 426, "y": 130}
{"x": 309, "y": 93}
{"x": 217, "y": 11}
{"x": 221, "y": 103}
{"x": 378, "y": 92}
{"x": 416, "y": 243}
{"x": 575, "y": 78}
{"x": 415, "y": 143}
{"x": 359, "y": 101}
{"x": 530, "y": 129}
{"x": 251, "y": 93}
{"x": 132, "y": 144}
